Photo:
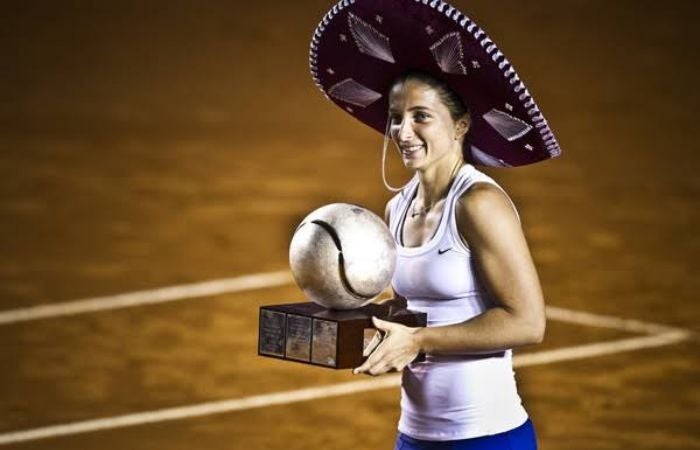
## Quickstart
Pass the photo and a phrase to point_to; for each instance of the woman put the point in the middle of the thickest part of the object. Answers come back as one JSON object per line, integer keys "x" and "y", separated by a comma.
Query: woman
{"x": 463, "y": 260}
{"x": 462, "y": 256}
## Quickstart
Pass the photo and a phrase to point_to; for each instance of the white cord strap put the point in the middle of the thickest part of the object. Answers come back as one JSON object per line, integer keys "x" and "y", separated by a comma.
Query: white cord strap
{"x": 384, "y": 148}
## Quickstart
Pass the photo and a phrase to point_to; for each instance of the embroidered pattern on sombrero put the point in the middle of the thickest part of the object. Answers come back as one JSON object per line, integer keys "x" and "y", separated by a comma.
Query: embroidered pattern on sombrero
{"x": 507, "y": 126}
{"x": 484, "y": 158}
{"x": 350, "y": 91}
{"x": 448, "y": 54}
{"x": 369, "y": 41}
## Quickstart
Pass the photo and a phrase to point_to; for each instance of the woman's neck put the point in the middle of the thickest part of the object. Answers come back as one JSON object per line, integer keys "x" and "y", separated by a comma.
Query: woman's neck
{"x": 436, "y": 180}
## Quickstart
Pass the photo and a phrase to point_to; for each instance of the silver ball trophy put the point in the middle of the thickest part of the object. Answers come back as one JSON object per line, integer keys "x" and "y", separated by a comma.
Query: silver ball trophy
{"x": 342, "y": 257}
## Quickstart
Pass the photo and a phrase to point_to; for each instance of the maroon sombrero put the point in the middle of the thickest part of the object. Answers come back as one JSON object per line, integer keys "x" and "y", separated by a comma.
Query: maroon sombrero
{"x": 361, "y": 46}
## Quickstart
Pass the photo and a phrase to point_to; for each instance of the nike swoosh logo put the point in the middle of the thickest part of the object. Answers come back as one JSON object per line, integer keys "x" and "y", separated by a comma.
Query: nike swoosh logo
{"x": 441, "y": 251}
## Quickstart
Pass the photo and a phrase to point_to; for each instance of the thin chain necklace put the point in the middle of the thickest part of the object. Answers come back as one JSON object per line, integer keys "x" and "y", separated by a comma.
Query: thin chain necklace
{"x": 423, "y": 210}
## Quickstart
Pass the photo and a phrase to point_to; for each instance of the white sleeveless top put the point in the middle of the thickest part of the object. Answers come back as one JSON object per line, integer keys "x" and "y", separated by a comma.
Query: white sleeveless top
{"x": 456, "y": 396}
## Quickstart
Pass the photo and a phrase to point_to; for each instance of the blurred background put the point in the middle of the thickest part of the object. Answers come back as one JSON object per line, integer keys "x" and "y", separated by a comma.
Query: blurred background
{"x": 150, "y": 144}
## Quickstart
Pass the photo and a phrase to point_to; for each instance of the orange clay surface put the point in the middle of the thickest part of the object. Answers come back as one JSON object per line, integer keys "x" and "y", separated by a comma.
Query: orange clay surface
{"x": 156, "y": 144}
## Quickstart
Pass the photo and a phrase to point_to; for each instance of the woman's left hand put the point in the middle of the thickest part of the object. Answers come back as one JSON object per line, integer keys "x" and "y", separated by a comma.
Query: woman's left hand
{"x": 397, "y": 349}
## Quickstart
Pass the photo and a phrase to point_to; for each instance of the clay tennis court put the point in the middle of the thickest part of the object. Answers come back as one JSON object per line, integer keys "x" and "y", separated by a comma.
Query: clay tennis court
{"x": 155, "y": 158}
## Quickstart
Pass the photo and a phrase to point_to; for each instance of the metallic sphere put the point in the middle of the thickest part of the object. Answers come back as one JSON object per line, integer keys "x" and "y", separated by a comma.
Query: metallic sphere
{"x": 342, "y": 256}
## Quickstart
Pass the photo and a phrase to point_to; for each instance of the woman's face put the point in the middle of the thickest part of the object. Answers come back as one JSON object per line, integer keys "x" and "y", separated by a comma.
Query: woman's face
{"x": 421, "y": 125}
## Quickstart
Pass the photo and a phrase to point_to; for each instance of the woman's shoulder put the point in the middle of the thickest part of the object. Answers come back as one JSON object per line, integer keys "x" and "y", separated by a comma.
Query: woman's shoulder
{"x": 482, "y": 196}
{"x": 483, "y": 204}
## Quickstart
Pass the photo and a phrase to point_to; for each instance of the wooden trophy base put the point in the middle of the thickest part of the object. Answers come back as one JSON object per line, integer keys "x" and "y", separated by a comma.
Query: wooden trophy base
{"x": 311, "y": 334}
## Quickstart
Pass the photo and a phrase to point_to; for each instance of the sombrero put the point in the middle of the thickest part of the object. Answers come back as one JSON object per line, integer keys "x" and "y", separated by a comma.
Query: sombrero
{"x": 361, "y": 46}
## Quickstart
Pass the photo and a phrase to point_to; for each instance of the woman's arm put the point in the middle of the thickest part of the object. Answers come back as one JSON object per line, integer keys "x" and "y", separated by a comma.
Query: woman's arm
{"x": 490, "y": 226}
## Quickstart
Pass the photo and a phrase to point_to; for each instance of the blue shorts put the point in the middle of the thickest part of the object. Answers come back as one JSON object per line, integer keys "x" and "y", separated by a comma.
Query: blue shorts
{"x": 520, "y": 438}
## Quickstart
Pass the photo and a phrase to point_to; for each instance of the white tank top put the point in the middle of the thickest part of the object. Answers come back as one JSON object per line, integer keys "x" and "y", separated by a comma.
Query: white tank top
{"x": 456, "y": 396}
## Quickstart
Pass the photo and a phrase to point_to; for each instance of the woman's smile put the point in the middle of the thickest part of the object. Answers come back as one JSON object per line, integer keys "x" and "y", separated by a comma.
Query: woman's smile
{"x": 411, "y": 151}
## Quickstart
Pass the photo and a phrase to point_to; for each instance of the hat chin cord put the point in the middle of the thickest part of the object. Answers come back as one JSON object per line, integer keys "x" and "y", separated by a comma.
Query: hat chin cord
{"x": 384, "y": 148}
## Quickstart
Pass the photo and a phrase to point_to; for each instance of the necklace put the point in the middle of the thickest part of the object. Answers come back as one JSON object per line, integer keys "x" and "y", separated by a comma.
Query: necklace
{"x": 423, "y": 210}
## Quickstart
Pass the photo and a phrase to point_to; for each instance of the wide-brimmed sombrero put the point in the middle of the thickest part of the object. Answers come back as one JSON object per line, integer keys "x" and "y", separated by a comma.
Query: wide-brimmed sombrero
{"x": 361, "y": 46}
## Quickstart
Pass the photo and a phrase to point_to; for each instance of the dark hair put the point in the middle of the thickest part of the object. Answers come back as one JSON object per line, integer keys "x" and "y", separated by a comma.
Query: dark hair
{"x": 449, "y": 97}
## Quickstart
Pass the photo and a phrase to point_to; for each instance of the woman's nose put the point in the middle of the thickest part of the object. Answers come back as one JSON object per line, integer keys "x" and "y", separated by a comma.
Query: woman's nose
{"x": 405, "y": 131}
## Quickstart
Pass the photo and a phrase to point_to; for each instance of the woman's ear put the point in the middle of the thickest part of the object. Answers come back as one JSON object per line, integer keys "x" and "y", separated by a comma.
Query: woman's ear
{"x": 462, "y": 126}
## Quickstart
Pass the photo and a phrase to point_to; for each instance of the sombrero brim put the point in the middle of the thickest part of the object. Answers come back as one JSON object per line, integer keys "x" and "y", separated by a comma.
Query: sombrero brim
{"x": 361, "y": 46}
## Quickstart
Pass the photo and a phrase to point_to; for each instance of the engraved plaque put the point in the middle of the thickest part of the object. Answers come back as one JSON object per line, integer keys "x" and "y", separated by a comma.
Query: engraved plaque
{"x": 271, "y": 333}
{"x": 298, "y": 337}
{"x": 309, "y": 333}
{"x": 325, "y": 342}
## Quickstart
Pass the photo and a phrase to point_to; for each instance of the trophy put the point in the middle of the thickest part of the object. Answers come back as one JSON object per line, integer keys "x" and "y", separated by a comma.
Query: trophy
{"x": 342, "y": 257}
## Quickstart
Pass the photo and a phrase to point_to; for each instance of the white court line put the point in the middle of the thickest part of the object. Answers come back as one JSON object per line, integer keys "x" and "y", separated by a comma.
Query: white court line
{"x": 260, "y": 281}
{"x": 282, "y": 398}
{"x": 658, "y": 335}
{"x": 599, "y": 349}
{"x": 599, "y": 320}
{"x": 148, "y": 297}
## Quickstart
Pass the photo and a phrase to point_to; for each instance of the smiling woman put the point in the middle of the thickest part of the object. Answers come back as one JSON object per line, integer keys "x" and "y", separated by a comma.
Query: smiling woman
{"x": 463, "y": 260}
{"x": 453, "y": 102}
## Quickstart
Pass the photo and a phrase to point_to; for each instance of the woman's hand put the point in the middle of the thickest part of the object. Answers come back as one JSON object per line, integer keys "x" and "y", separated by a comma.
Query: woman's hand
{"x": 397, "y": 349}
